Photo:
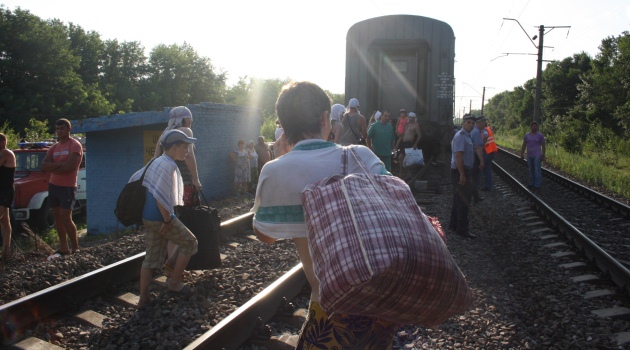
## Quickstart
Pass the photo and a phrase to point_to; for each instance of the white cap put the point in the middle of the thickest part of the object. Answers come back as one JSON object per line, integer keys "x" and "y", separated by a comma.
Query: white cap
{"x": 172, "y": 136}
{"x": 377, "y": 115}
{"x": 412, "y": 115}
{"x": 354, "y": 103}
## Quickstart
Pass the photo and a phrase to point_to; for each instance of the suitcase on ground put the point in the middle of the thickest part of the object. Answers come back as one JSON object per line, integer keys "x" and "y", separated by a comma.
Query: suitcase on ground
{"x": 204, "y": 222}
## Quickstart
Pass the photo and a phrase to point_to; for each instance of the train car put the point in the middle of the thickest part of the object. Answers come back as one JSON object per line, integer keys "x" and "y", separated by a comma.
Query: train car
{"x": 404, "y": 61}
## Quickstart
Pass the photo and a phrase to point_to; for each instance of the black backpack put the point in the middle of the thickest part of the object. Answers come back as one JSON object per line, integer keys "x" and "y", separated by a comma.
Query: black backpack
{"x": 130, "y": 203}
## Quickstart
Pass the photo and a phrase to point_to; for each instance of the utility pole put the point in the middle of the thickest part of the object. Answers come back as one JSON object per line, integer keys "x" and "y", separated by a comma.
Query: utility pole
{"x": 483, "y": 97}
{"x": 537, "y": 109}
{"x": 541, "y": 32}
{"x": 470, "y": 107}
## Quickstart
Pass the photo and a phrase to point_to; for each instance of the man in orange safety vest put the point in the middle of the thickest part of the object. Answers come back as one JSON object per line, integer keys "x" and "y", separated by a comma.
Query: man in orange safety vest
{"x": 489, "y": 150}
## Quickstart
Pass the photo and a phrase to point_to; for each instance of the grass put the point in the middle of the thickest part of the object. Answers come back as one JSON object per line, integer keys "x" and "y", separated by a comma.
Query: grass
{"x": 609, "y": 171}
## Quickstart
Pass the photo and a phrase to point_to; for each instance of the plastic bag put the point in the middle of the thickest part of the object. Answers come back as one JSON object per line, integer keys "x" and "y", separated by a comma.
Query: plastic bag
{"x": 413, "y": 157}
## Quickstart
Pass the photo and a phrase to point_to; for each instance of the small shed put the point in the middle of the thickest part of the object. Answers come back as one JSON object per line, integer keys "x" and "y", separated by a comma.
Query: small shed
{"x": 119, "y": 145}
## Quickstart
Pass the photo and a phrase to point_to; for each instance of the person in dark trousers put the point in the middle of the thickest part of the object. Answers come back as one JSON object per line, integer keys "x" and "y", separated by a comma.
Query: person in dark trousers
{"x": 462, "y": 161}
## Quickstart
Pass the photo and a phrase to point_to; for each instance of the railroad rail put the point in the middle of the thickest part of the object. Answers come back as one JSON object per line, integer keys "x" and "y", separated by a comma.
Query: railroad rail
{"x": 613, "y": 267}
{"x": 17, "y": 316}
{"x": 236, "y": 327}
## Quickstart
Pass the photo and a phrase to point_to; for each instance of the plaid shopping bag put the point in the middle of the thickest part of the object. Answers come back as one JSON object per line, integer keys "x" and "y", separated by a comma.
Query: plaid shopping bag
{"x": 376, "y": 254}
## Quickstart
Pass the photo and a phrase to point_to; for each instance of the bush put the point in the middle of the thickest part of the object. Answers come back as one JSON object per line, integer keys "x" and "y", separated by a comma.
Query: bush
{"x": 571, "y": 136}
{"x": 12, "y": 137}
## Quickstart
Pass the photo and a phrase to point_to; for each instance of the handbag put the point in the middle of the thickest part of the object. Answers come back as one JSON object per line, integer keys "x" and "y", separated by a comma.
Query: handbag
{"x": 376, "y": 254}
{"x": 413, "y": 157}
{"x": 130, "y": 202}
{"x": 204, "y": 222}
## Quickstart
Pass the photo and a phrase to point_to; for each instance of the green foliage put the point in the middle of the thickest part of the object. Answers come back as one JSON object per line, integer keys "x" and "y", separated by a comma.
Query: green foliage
{"x": 599, "y": 139}
{"x": 259, "y": 93}
{"x": 12, "y": 137}
{"x": 560, "y": 83}
{"x": 571, "y": 136}
{"x": 605, "y": 89}
{"x": 37, "y": 130}
{"x": 268, "y": 129}
{"x": 50, "y": 70}
{"x": 178, "y": 75}
{"x": 337, "y": 98}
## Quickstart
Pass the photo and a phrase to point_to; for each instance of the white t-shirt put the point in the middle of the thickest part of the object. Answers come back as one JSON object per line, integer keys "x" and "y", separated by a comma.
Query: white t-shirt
{"x": 278, "y": 204}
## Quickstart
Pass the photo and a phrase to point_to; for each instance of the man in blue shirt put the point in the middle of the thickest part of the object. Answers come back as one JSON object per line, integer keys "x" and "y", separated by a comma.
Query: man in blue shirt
{"x": 462, "y": 162}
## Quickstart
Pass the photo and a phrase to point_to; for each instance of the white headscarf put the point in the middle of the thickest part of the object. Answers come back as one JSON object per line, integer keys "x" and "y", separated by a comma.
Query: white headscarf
{"x": 177, "y": 116}
{"x": 337, "y": 111}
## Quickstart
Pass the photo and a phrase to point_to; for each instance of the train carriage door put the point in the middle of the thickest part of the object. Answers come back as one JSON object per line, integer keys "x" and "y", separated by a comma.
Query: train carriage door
{"x": 398, "y": 86}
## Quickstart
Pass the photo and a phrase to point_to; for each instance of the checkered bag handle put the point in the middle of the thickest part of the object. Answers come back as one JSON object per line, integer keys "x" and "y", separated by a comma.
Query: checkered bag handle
{"x": 344, "y": 167}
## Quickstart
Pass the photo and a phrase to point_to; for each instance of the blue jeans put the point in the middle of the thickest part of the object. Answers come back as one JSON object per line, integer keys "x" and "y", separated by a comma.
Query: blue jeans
{"x": 487, "y": 169}
{"x": 535, "y": 171}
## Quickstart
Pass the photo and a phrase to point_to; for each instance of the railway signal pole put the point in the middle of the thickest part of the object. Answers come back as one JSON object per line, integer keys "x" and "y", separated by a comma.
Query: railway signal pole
{"x": 541, "y": 34}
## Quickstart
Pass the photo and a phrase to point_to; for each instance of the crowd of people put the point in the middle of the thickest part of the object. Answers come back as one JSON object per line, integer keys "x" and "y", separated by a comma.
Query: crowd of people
{"x": 309, "y": 135}
{"x": 473, "y": 149}
{"x": 248, "y": 161}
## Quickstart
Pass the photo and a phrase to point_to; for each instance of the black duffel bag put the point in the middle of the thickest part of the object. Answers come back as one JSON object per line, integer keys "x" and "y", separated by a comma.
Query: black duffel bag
{"x": 204, "y": 222}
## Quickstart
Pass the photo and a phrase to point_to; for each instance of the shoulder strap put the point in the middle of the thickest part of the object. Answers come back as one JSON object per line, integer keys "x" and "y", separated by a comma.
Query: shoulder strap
{"x": 352, "y": 129}
{"x": 344, "y": 160}
{"x": 146, "y": 168}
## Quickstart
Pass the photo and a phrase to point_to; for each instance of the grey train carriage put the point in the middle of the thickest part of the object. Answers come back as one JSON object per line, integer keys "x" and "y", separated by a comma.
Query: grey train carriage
{"x": 404, "y": 61}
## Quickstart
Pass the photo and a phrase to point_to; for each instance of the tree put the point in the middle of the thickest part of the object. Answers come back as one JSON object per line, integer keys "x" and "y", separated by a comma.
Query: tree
{"x": 177, "y": 75}
{"x": 88, "y": 47}
{"x": 37, "y": 130}
{"x": 38, "y": 71}
{"x": 605, "y": 89}
{"x": 124, "y": 72}
{"x": 560, "y": 84}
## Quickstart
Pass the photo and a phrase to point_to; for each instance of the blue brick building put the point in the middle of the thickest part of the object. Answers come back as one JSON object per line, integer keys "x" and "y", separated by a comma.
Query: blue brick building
{"x": 119, "y": 145}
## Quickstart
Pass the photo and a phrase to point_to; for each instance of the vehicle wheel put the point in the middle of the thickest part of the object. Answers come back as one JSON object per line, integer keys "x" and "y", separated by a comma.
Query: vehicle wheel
{"x": 46, "y": 217}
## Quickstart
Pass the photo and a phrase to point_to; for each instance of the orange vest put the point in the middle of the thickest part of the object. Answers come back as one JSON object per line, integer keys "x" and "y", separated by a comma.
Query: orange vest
{"x": 490, "y": 146}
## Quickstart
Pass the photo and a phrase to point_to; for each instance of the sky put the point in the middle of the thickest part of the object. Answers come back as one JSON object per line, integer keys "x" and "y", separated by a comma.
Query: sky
{"x": 306, "y": 40}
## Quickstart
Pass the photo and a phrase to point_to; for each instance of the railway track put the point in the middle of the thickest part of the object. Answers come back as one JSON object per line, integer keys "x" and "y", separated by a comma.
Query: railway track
{"x": 613, "y": 268}
{"x": 251, "y": 319}
{"x": 19, "y": 316}
{"x": 596, "y": 224}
